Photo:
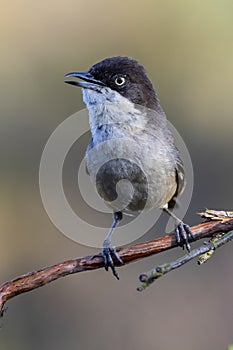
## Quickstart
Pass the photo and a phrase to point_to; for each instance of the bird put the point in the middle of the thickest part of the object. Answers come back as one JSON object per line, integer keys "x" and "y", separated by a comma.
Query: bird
{"x": 130, "y": 141}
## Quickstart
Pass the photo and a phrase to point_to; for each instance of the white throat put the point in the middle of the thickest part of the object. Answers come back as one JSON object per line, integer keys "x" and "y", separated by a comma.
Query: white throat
{"x": 110, "y": 107}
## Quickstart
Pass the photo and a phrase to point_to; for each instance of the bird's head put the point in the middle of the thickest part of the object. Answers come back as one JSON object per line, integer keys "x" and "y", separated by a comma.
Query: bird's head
{"x": 114, "y": 78}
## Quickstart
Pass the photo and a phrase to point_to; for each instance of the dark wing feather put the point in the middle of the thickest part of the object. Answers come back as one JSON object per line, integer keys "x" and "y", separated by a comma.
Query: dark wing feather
{"x": 180, "y": 181}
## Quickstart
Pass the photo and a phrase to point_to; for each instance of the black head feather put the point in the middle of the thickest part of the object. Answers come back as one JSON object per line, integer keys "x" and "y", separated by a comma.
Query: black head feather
{"x": 137, "y": 86}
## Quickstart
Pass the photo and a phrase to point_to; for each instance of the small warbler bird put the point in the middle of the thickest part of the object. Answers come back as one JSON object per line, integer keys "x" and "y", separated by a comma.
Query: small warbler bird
{"x": 130, "y": 141}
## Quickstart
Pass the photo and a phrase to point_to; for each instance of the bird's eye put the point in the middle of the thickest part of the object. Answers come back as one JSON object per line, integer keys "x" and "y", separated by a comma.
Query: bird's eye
{"x": 120, "y": 81}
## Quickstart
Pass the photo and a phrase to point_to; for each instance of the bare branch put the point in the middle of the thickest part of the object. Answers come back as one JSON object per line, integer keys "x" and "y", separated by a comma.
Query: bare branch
{"x": 204, "y": 252}
{"x": 128, "y": 254}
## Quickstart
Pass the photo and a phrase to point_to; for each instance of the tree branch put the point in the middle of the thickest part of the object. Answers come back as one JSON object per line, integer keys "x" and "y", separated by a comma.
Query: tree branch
{"x": 204, "y": 253}
{"x": 36, "y": 279}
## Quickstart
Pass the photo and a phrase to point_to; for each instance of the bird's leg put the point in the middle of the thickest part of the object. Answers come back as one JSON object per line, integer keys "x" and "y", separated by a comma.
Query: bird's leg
{"x": 182, "y": 231}
{"x": 108, "y": 251}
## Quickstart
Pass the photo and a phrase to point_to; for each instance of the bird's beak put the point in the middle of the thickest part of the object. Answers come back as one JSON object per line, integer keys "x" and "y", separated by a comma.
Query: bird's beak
{"x": 88, "y": 81}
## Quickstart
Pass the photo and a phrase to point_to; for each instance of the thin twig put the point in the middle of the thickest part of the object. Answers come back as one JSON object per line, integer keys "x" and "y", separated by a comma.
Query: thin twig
{"x": 149, "y": 277}
{"x": 128, "y": 254}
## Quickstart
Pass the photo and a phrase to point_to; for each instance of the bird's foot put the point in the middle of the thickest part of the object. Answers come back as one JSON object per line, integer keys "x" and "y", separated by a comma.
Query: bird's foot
{"x": 183, "y": 234}
{"x": 109, "y": 254}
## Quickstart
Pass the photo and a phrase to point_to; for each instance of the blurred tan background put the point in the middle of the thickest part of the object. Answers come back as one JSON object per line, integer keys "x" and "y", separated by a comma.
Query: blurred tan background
{"x": 187, "y": 48}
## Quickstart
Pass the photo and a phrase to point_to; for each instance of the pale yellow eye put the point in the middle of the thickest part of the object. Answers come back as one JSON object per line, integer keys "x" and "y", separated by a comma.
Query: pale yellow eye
{"x": 120, "y": 81}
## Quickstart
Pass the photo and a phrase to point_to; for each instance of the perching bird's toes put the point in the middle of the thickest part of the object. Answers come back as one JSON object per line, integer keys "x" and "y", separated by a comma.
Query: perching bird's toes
{"x": 108, "y": 254}
{"x": 183, "y": 235}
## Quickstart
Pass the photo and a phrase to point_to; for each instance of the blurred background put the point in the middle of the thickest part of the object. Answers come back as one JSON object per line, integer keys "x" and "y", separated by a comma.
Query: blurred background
{"x": 187, "y": 49}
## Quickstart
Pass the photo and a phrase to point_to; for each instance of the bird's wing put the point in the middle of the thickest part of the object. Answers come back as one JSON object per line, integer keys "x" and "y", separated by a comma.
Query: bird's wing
{"x": 180, "y": 181}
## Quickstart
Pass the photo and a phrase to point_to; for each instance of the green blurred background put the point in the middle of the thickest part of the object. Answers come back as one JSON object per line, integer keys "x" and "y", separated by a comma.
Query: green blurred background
{"x": 187, "y": 48}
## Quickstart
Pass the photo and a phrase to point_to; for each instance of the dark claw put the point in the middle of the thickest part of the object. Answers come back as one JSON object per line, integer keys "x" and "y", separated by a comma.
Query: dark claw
{"x": 108, "y": 253}
{"x": 183, "y": 234}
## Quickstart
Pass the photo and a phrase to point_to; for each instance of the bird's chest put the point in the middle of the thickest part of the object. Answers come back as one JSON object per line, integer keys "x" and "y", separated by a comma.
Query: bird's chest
{"x": 115, "y": 141}
{"x": 114, "y": 162}
{"x": 127, "y": 167}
